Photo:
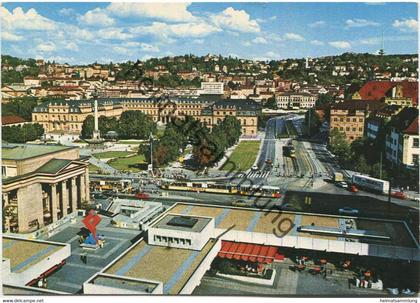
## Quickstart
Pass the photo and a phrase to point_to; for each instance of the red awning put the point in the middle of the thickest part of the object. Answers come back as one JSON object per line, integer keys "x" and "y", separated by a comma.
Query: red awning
{"x": 232, "y": 250}
{"x": 239, "y": 252}
{"x": 248, "y": 252}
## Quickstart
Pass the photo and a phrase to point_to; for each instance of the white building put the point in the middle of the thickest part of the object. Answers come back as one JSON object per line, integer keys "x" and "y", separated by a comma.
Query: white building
{"x": 295, "y": 100}
{"x": 211, "y": 88}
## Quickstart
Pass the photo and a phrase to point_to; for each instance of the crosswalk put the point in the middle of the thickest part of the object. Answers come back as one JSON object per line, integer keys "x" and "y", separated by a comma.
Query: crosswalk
{"x": 258, "y": 174}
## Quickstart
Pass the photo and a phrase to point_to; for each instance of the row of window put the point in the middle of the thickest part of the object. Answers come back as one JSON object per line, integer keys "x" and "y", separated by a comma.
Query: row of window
{"x": 171, "y": 240}
{"x": 348, "y": 119}
{"x": 349, "y": 129}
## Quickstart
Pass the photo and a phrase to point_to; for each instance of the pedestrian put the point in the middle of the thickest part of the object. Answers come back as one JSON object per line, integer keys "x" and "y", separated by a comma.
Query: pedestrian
{"x": 44, "y": 281}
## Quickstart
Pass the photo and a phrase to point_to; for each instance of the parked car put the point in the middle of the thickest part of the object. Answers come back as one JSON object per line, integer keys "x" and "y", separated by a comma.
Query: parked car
{"x": 342, "y": 184}
{"x": 348, "y": 211}
{"x": 142, "y": 196}
{"x": 254, "y": 168}
{"x": 399, "y": 195}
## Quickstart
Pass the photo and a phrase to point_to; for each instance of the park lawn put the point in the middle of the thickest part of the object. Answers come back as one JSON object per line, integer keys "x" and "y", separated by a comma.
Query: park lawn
{"x": 130, "y": 142}
{"x": 127, "y": 162}
{"x": 93, "y": 169}
{"x": 243, "y": 156}
{"x": 112, "y": 154}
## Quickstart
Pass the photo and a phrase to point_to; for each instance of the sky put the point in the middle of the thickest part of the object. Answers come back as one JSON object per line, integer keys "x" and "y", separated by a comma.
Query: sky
{"x": 82, "y": 33}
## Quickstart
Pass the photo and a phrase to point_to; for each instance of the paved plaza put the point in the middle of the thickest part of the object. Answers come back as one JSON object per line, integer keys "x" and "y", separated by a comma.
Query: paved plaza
{"x": 71, "y": 276}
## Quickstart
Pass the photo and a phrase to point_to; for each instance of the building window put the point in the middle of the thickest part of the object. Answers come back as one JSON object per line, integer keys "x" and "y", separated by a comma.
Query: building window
{"x": 360, "y": 119}
{"x": 354, "y": 129}
{"x": 360, "y": 129}
{"x": 347, "y": 128}
{"x": 415, "y": 143}
{"x": 415, "y": 159}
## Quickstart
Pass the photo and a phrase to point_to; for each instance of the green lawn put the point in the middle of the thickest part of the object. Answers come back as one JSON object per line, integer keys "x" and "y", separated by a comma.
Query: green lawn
{"x": 128, "y": 163}
{"x": 243, "y": 156}
{"x": 93, "y": 169}
{"x": 112, "y": 154}
{"x": 130, "y": 142}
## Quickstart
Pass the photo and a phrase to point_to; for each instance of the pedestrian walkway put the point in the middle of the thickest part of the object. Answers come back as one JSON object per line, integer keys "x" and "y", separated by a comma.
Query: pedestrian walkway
{"x": 257, "y": 174}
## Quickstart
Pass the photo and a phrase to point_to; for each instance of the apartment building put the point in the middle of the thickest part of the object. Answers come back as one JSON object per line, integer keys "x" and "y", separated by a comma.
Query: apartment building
{"x": 292, "y": 100}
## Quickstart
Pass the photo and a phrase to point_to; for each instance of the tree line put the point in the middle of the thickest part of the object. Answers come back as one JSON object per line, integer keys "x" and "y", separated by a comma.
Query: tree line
{"x": 208, "y": 146}
{"x": 131, "y": 125}
{"x": 22, "y": 133}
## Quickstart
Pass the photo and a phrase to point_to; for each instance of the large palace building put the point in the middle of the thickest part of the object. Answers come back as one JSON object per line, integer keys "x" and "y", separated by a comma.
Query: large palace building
{"x": 67, "y": 116}
{"x": 40, "y": 185}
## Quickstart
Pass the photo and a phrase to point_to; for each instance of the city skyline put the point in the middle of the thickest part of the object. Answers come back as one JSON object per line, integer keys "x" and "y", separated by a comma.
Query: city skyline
{"x": 80, "y": 33}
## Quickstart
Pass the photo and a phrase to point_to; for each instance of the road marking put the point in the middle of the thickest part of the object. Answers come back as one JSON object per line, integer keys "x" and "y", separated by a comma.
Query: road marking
{"x": 97, "y": 268}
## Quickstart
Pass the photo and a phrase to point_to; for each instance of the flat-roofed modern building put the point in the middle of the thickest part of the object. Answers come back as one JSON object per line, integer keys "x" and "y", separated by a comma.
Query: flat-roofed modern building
{"x": 41, "y": 184}
{"x": 252, "y": 235}
{"x": 26, "y": 261}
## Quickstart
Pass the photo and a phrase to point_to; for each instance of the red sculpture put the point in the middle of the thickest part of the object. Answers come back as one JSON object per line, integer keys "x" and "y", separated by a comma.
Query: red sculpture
{"x": 91, "y": 221}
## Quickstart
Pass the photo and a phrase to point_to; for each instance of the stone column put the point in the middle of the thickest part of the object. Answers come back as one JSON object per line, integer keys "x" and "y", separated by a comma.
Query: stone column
{"x": 54, "y": 203}
{"x": 64, "y": 198}
{"x": 87, "y": 191}
{"x": 73, "y": 194}
{"x": 82, "y": 188}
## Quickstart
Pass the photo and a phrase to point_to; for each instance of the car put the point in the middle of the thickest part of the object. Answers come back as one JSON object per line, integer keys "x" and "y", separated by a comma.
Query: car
{"x": 239, "y": 203}
{"x": 353, "y": 189}
{"x": 342, "y": 184}
{"x": 399, "y": 195}
{"x": 348, "y": 211}
{"x": 269, "y": 161}
{"x": 254, "y": 167}
{"x": 142, "y": 195}
{"x": 415, "y": 199}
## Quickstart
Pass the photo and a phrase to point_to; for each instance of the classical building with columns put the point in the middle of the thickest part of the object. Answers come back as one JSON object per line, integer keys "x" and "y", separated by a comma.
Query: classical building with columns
{"x": 41, "y": 184}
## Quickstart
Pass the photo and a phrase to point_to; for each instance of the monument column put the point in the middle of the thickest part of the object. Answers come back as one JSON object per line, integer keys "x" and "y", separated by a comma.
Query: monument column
{"x": 82, "y": 188}
{"x": 54, "y": 203}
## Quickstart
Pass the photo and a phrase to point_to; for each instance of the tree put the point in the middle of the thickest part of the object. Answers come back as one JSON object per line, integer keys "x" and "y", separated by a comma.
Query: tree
{"x": 87, "y": 127}
{"x": 22, "y": 106}
{"x": 22, "y": 134}
{"x": 361, "y": 165}
{"x": 339, "y": 146}
{"x": 136, "y": 125}
{"x": 324, "y": 99}
{"x": 271, "y": 103}
{"x": 312, "y": 121}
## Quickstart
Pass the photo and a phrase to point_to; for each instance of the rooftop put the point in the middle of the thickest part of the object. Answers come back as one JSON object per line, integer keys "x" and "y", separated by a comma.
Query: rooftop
{"x": 183, "y": 223}
{"x": 27, "y": 151}
{"x": 171, "y": 266}
{"x": 30, "y": 252}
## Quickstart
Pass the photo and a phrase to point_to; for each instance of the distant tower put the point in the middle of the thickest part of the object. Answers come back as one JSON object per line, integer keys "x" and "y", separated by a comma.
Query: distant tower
{"x": 382, "y": 50}
{"x": 96, "y": 133}
{"x": 307, "y": 63}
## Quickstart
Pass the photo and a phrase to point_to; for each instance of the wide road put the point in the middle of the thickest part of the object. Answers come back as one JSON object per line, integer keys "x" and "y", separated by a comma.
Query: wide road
{"x": 268, "y": 149}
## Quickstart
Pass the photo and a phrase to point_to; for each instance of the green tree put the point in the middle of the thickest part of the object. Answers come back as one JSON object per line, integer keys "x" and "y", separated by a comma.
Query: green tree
{"x": 87, "y": 127}
{"x": 136, "y": 125}
{"x": 312, "y": 121}
{"x": 339, "y": 146}
{"x": 271, "y": 103}
{"x": 361, "y": 165}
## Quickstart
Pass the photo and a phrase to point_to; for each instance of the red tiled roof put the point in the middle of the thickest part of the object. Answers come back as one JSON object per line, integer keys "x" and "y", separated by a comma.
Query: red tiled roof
{"x": 6, "y": 120}
{"x": 376, "y": 90}
{"x": 413, "y": 128}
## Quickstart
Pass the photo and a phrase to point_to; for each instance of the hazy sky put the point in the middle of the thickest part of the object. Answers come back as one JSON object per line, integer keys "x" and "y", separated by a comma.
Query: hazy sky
{"x": 103, "y": 32}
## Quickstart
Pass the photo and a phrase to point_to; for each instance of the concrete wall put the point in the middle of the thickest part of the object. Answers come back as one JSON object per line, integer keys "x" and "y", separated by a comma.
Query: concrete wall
{"x": 204, "y": 266}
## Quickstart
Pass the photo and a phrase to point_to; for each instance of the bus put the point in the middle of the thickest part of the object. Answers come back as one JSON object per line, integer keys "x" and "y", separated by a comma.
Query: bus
{"x": 372, "y": 184}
